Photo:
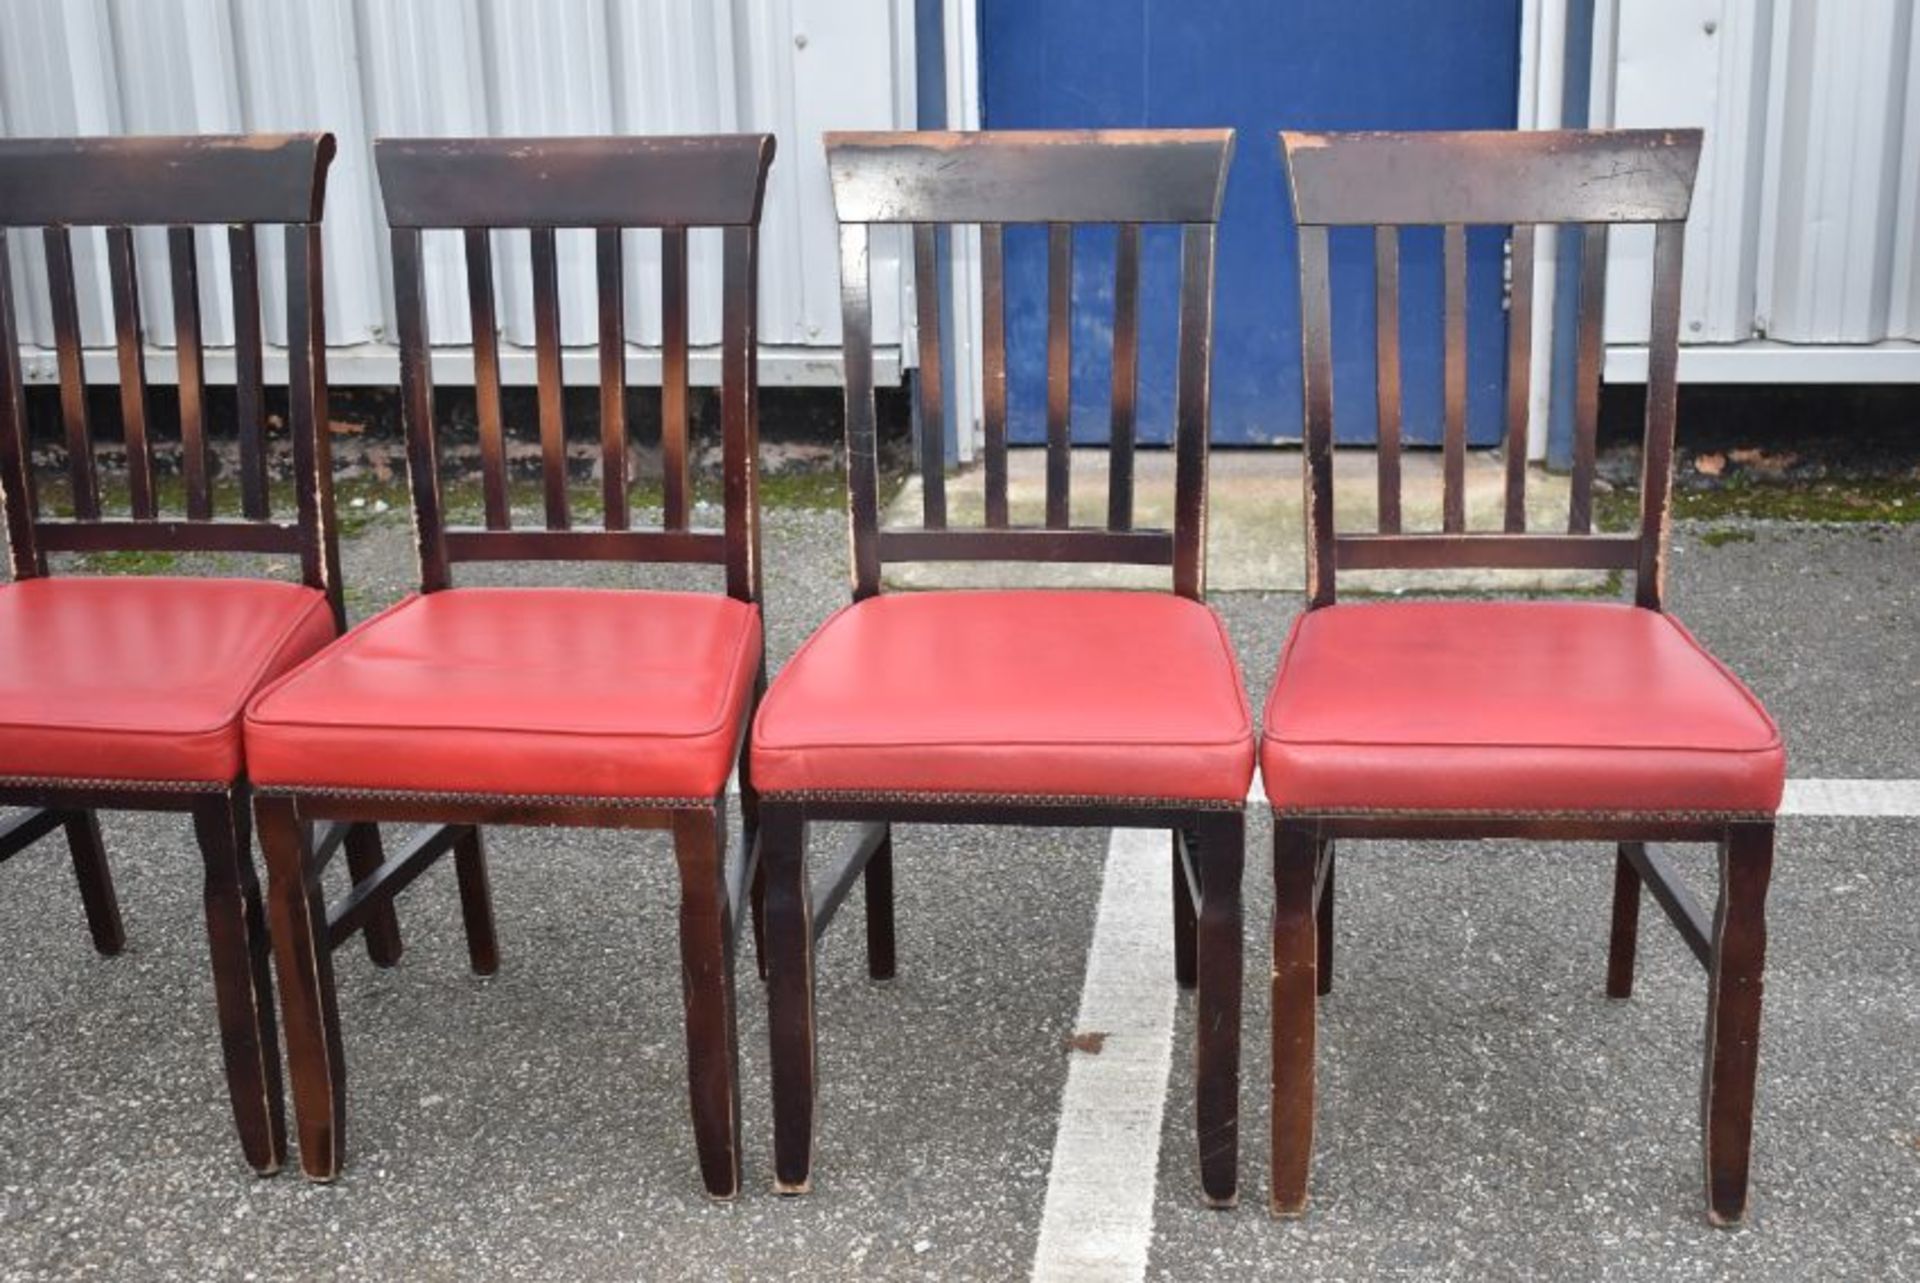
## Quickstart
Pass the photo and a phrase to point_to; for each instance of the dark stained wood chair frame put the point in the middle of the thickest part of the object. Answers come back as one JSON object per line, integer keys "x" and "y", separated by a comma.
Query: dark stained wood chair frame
{"x": 55, "y": 185}
{"x": 927, "y": 180}
{"x": 1521, "y": 179}
{"x": 607, "y": 184}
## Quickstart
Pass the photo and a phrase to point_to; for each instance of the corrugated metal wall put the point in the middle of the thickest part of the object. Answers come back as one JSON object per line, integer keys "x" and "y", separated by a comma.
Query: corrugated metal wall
{"x": 1806, "y": 222}
{"x": 363, "y": 68}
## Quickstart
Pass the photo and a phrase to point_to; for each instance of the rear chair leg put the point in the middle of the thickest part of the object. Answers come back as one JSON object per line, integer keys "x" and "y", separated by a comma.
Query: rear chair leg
{"x": 382, "y": 930}
{"x": 706, "y": 965}
{"x": 242, "y": 989}
{"x": 1323, "y": 921}
{"x": 1623, "y": 942}
{"x": 1733, "y": 1017}
{"x": 308, "y": 1004}
{"x": 96, "y": 882}
{"x": 877, "y": 887}
{"x": 783, "y": 854}
{"x": 1218, "y": 958}
{"x": 476, "y": 901}
{"x": 1184, "y": 922}
{"x": 749, "y": 835}
{"x": 1295, "y": 989}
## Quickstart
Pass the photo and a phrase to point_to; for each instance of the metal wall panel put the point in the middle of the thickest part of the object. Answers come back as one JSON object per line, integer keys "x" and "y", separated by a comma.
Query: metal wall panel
{"x": 365, "y": 68}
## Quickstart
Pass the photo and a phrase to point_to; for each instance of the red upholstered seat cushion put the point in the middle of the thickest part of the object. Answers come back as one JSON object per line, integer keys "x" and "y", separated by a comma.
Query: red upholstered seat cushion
{"x": 525, "y": 692}
{"x": 143, "y": 678}
{"x": 1521, "y": 707}
{"x": 1054, "y": 694}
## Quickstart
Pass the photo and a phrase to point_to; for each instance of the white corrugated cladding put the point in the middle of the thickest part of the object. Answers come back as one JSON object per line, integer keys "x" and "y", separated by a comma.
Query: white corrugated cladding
{"x": 363, "y": 68}
{"x": 1803, "y": 251}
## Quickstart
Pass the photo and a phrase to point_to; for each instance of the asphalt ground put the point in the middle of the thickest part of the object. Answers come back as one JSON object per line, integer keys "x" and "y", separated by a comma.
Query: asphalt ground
{"x": 1485, "y": 1111}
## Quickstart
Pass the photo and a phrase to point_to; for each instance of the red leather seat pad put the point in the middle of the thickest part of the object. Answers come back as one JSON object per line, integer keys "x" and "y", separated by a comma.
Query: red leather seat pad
{"x": 536, "y": 692}
{"x": 1035, "y": 693}
{"x": 1512, "y": 707}
{"x": 143, "y": 679}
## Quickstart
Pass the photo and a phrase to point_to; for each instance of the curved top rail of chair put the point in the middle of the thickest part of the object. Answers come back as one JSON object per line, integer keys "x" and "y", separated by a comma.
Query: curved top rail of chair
{"x": 213, "y": 178}
{"x": 1030, "y": 176}
{"x": 705, "y": 180}
{"x": 1492, "y": 176}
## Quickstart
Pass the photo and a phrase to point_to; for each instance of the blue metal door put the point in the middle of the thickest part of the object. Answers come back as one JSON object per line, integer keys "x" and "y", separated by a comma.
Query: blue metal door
{"x": 1259, "y": 66}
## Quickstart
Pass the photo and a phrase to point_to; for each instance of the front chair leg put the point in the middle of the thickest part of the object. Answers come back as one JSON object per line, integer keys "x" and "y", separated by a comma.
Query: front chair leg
{"x": 96, "y": 882}
{"x": 382, "y": 930}
{"x": 783, "y": 854}
{"x": 1623, "y": 939}
{"x": 1295, "y": 988}
{"x": 706, "y": 968}
{"x": 1218, "y": 963}
{"x": 309, "y": 1007}
{"x": 1733, "y": 1017}
{"x": 242, "y": 988}
{"x": 1184, "y": 922}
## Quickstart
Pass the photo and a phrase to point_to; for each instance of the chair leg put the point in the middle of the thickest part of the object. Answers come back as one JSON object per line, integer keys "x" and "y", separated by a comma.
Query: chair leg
{"x": 877, "y": 887}
{"x": 242, "y": 988}
{"x": 1733, "y": 1017}
{"x": 308, "y": 1005}
{"x": 96, "y": 882}
{"x": 750, "y": 834}
{"x": 706, "y": 966}
{"x": 364, "y": 858}
{"x": 1218, "y": 958}
{"x": 783, "y": 853}
{"x": 476, "y": 901}
{"x": 1623, "y": 941}
{"x": 1323, "y": 920}
{"x": 1295, "y": 987}
{"x": 1184, "y": 922}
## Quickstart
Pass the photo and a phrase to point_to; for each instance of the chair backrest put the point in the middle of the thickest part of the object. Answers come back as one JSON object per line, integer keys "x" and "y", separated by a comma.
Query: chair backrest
{"x": 609, "y": 185}
{"x": 1122, "y": 177}
{"x": 53, "y": 185}
{"x": 1389, "y": 181}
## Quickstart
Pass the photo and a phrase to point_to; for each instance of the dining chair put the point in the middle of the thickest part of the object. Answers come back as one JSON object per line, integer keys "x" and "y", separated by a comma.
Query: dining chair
{"x": 1564, "y": 720}
{"x": 125, "y": 692}
{"x": 1032, "y": 707}
{"x": 602, "y": 708}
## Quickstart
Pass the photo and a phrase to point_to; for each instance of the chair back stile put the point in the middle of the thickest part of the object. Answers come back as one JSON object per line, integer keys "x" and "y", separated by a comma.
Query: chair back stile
{"x": 53, "y": 186}
{"x": 1587, "y": 181}
{"x": 609, "y": 185}
{"x": 1128, "y": 178}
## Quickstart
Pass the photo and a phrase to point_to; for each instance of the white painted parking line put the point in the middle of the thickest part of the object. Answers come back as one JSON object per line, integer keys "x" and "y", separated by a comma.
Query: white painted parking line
{"x": 1098, "y": 1220}
{"x": 1873, "y": 798}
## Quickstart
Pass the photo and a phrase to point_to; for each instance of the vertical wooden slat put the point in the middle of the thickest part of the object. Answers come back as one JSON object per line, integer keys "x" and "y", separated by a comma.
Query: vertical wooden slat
{"x": 1192, "y": 403}
{"x": 546, "y": 346}
{"x": 856, "y": 325}
{"x": 1519, "y": 372}
{"x": 185, "y": 272}
{"x": 1386, "y": 371}
{"x": 1454, "y": 500}
{"x": 933, "y": 423}
{"x": 674, "y": 450}
{"x": 1586, "y": 388}
{"x": 248, "y": 376}
{"x": 1316, "y": 369}
{"x": 613, "y": 377}
{"x": 1059, "y": 373}
{"x": 127, "y": 334}
{"x": 1126, "y": 376}
{"x": 16, "y": 470}
{"x": 73, "y": 376}
{"x": 307, "y": 417}
{"x": 486, "y": 379}
{"x": 416, "y": 403}
{"x": 1663, "y": 367}
{"x": 739, "y": 416}
{"x": 993, "y": 365}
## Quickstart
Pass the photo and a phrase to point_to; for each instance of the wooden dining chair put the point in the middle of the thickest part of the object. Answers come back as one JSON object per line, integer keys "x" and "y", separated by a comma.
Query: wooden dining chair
{"x": 1520, "y": 719}
{"x": 1026, "y": 707}
{"x": 604, "y": 708}
{"x": 126, "y": 692}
